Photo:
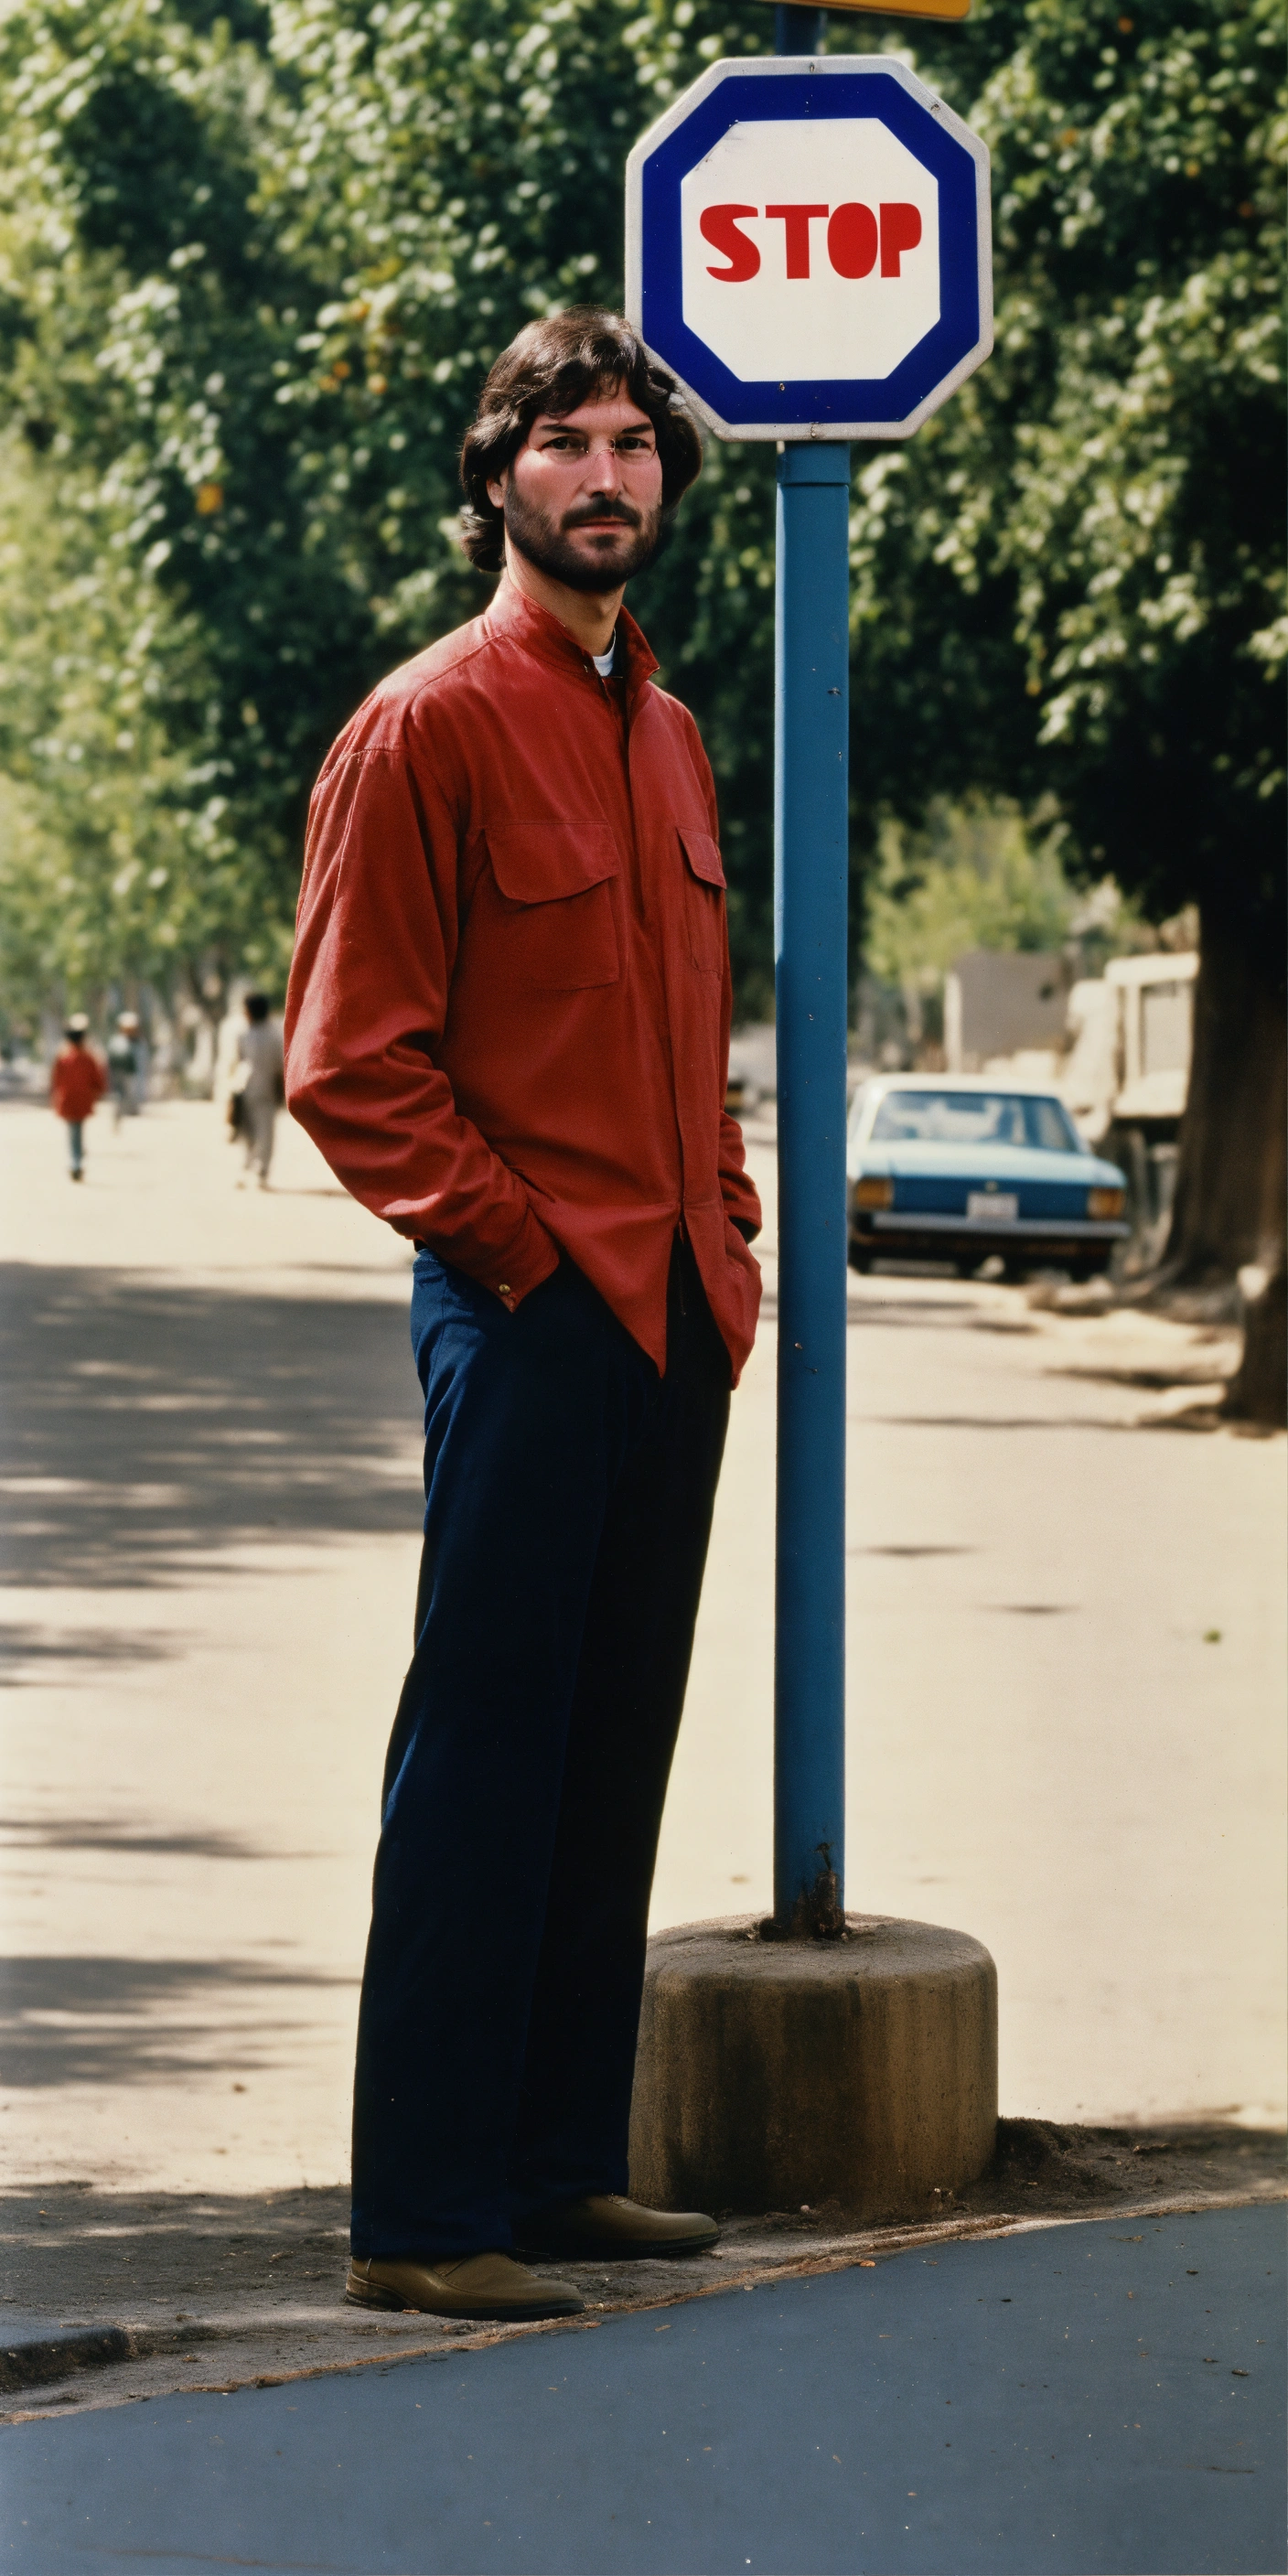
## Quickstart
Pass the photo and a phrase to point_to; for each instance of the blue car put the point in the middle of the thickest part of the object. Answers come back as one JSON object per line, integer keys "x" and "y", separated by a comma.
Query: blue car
{"x": 953, "y": 1167}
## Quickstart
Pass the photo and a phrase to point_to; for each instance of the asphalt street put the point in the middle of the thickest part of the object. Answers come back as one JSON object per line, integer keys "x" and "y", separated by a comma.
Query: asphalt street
{"x": 1089, "y": 2400}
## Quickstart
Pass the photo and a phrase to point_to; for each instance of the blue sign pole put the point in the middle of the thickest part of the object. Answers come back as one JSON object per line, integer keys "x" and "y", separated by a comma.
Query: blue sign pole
{"x": 798, "y": 30}
{"x": 811, "y": 873}
{"x": 756, "y": 369}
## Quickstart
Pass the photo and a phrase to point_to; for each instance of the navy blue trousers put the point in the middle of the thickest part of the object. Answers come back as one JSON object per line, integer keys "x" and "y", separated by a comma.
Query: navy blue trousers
{"x": 569, "y": 1492}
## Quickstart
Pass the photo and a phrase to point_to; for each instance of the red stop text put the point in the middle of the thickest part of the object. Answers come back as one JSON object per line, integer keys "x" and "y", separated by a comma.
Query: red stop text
{"x": 855, "y": 238}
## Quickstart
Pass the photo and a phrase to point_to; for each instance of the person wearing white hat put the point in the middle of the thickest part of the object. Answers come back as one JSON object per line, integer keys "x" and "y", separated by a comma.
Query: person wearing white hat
{"x": 123, "y": 1065}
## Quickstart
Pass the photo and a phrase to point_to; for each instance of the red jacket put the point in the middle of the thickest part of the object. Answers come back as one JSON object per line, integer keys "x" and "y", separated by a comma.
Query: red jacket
{"x": 75, "y": 1083}
{"x": 508, "y": 1019}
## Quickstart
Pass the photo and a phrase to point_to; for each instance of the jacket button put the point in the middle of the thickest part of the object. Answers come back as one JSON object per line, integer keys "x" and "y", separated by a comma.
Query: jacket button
{"x": 504, "y": 1289}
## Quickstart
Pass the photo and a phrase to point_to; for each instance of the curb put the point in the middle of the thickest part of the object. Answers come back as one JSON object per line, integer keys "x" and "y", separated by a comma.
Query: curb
{"x": 39, "y": 2361}
{"x": 44, "y": 2360}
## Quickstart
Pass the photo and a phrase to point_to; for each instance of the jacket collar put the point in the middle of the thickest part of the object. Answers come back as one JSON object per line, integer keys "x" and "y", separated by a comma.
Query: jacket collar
{"x": 522, "y": 621}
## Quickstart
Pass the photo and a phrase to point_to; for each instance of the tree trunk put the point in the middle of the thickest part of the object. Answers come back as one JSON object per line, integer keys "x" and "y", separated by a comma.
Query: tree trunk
{"x": 1258, "y": 1392}
{"x": 1229, "y": 1212}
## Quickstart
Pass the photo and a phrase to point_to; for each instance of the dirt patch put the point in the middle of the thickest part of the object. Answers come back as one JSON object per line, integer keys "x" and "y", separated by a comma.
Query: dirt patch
{"x": 1063, "y": 2171}
{"x": 1041, "y": 2170}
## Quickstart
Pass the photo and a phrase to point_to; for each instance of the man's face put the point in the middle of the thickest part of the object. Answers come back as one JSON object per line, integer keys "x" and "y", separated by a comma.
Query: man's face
{"x": 583, "y": 496}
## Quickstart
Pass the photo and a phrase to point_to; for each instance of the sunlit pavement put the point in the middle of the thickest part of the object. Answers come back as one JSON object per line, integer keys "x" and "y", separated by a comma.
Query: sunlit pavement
{"x": 1081, "y": 2399}
{"x": 1065, "y": 1668}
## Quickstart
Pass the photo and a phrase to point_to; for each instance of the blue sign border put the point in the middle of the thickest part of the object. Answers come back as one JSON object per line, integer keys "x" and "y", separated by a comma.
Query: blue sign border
{"x": 793, "y": 98}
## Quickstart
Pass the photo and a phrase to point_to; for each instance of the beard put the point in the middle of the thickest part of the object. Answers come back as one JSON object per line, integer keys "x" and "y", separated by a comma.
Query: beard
{"x": 551, "y": 545}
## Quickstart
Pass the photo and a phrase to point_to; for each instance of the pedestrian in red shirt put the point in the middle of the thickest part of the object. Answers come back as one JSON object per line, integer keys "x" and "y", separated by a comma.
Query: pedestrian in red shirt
{"x": 507, "y": 1029}
{"x": 76, "y": 1083}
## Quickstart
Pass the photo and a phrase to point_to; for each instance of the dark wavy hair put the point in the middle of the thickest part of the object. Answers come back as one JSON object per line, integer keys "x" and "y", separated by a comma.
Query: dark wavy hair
{"x": 553, "y": 366}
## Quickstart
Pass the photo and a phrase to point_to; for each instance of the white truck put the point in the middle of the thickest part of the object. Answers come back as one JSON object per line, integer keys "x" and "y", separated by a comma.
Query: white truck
{"x": 1125, "y": 1076}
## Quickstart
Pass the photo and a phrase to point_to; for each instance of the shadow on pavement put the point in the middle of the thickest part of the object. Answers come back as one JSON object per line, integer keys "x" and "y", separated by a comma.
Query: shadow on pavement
{"x": 147, "y": 1426}
{"x": 108, "y": 1834}
{"x": 135, "y": 2021}
{"x": 28, "y": 1653}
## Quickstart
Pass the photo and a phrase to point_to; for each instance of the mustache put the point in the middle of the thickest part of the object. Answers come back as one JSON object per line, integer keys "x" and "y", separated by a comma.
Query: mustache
{"x": 592, "y": 510}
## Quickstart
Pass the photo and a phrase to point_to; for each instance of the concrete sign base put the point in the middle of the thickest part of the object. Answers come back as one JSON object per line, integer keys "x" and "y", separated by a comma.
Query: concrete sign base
{"x": 771, "y": 2074}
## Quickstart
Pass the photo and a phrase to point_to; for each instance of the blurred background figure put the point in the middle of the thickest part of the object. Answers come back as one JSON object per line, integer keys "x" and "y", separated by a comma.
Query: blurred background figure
{"x": 126, "y": 1056}
{"x": 257, "y": 1090}
{"x": 76, "y": 1084}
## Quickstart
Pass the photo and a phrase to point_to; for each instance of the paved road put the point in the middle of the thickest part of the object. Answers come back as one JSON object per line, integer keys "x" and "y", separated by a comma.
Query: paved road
{"x": 1066, "y": 1669}
{"x": 1081, "y": 2399}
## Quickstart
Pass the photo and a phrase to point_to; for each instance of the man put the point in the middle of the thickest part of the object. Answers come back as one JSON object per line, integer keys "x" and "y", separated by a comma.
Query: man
{"x": 507, "y": 1029}
{"x": 76, "y": 1085}
{"x": 258, "y": 1087}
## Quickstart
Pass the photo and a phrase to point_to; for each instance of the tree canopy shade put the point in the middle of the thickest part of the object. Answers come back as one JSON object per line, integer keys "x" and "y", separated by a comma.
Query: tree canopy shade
{"x": 254, "y": 262}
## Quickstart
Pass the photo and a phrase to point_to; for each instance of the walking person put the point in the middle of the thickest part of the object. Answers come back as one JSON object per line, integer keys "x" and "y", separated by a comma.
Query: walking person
{"x": 258, "y": 1086}
{"x": 507, "y": 1029}
{"x": 123, "y": 1049}
{"x": 77, "y": 1083}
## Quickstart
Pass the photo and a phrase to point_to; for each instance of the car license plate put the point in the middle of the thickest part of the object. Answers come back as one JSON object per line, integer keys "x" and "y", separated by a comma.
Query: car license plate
{"x": 997, "y": 1207}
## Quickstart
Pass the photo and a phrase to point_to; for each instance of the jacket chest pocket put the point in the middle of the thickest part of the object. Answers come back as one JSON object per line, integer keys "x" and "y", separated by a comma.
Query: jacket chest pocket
{"x": 704, "y": 897}
{"x": 554, "y": 930}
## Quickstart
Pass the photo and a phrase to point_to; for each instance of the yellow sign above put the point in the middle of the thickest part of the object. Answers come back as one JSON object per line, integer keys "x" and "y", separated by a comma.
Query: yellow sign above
{"x": 906, "y": 8}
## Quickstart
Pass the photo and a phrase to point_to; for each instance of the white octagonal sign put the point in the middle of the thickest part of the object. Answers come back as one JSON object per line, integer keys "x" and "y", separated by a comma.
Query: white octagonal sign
{"x": 843, "y": 229}
{"x": 808, "y": 247}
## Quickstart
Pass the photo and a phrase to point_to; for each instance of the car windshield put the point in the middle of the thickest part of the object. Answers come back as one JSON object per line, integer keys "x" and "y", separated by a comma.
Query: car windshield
{"x": 973, "y": 1118}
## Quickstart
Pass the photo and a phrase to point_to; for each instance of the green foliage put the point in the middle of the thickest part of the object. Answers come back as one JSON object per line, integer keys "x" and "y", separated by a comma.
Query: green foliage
{"x": 251, "y": 285}
{"x": 117, "y": 854}
{"x": 1072, "y": 581}
{"x": 255, "y": 261}
{"x": 970, "y": 877}
{"x": 151, "y": 305}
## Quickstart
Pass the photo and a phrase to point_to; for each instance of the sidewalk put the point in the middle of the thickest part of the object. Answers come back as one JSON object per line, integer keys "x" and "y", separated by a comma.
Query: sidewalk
{"x": 1065, "y": 1669}
{"x": 115, "y": 2296}
{"x": 1087, "y": 2400}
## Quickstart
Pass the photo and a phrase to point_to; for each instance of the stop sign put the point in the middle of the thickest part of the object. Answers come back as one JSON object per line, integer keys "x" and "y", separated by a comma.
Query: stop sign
{"x": 808, "y": 247}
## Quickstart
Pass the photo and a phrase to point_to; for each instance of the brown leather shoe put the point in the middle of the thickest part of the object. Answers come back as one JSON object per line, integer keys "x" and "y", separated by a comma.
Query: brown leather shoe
{"x": 605, "y": 2228}
{"x": 491, "y": 2286}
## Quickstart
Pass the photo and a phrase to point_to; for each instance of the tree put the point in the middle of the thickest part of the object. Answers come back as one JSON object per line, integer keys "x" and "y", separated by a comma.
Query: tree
{"x": 1072, "y": 582}
{"x": 147, "y": 304}
{"x": 254, "y": 277}
{"x": 117, "y": 862}
{"x": 970, "y": 877}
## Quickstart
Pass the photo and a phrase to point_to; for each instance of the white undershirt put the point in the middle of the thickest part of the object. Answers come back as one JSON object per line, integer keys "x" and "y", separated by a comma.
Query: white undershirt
{"x": 604, "y": 661}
